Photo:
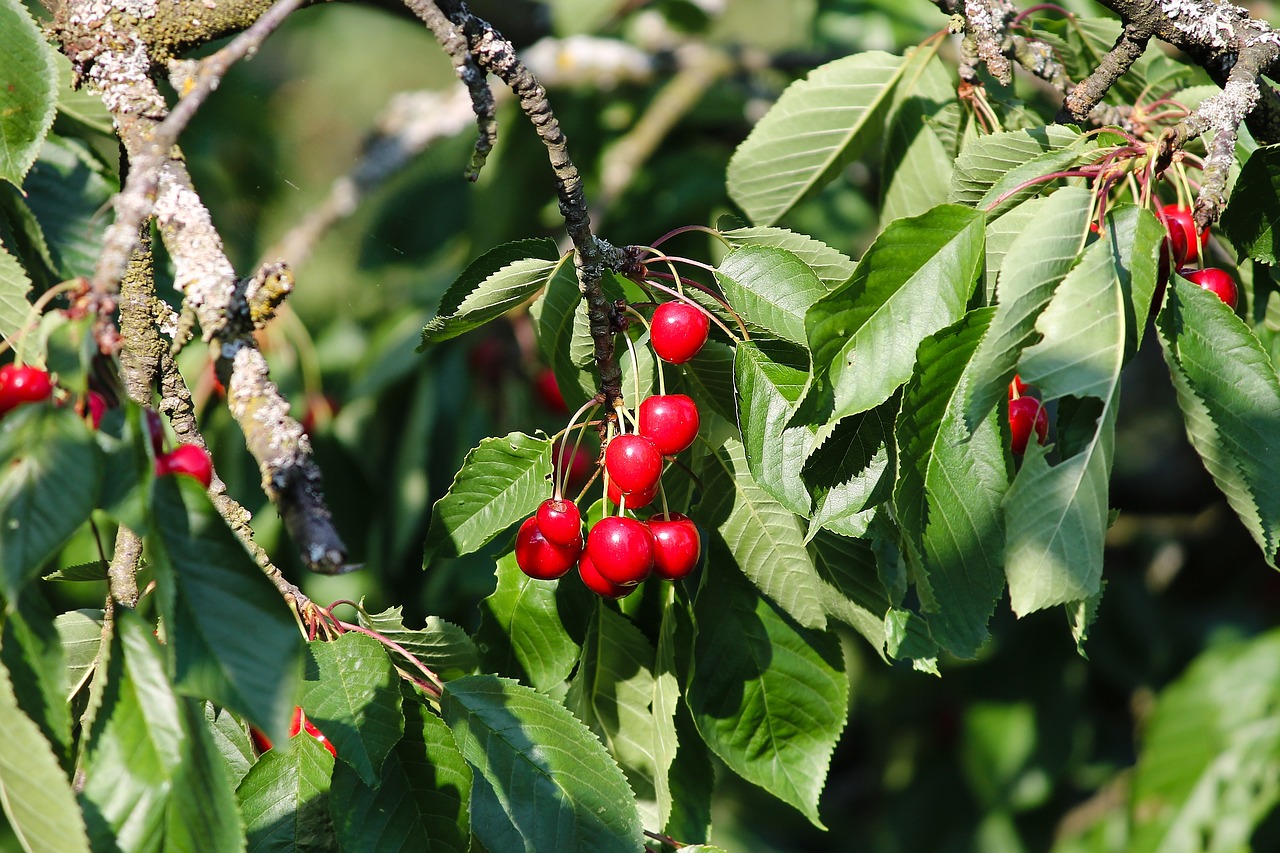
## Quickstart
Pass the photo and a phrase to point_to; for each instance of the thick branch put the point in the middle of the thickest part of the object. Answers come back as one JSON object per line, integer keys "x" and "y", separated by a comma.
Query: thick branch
{"x": 1089, "y": 92}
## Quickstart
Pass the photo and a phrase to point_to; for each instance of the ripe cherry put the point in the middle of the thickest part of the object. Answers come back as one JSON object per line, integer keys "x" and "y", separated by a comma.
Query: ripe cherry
{"x": 635, "y": 500}
{"x": 1215, "y": 281}
{"x": 540, "y": 558}
{"x": 621, "y": 549}
{"x": 187, "y": 459}
{"x": 633, "y": 463}
{"x": 1018, "y": 388}
{"x": 560, "y": 521}
{"x": 94, "y": 407}
{"x": 1183, "y": 242}
{"x": 1025, "y": 414}
{"x": 23, "y": 384}
{"x": 679, "y": 331}
{"x": 676, "y": 545}
{"x": 598, "y": 583}
{"x": 300, "y": 723}
{"x": 670, "y": 421}
{"x": 547, "y": 390}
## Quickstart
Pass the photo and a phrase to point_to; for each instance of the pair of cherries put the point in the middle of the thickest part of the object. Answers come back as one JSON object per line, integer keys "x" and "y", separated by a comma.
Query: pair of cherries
{"x": 1182, "y": 246}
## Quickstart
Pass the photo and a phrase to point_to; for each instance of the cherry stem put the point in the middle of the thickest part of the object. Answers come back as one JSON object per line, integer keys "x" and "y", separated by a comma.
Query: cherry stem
{"x": 725, "y": 305}
{"x": 1042, "y": 7}
{"x": 557, "y": 488}
{"x": 664, "y": 839}
{"x": 1083, "y": 172}
{"x": 648, "y": 330}
{"x": 685, "y": 229}
{"x": 675, "y": 258}
{"x": 436, "y": 683}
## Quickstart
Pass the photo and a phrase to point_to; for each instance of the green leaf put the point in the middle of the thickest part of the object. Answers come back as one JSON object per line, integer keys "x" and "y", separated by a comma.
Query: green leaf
{"x": 68, "y": 190}
{"x": 81, "y": 635}
{"x": 284, "y": 800}
{"x": 763, "y": 537}
{"x": 442, "y": 646}
{"x": 1206, "y": 776}
{"x": 830, "y": 265}
{"x": 30, "y": 93}
{"x": 49, "y": 478}
{"x": 15, "y": 309}
{"x": 771, "y": 288}
{"x": 914, "y": 280}
{"x": 768, "y": 696}
{"x": 612, "y": 692}
{"x": 852, "y": 591}
{"x": 920, "y": 133}
{"x": 495, "y": 282}
{"x": 231, "y": 739}
{"x": 991, "y": 168}
{"x": 34, "y": 791}
{"x": 1036, "y": 262}
{"x": 665, "y": 703}
{"x": 768, "y": 391}
{"x": 31, "y": 650}
{"x": 152, "y": 775}
{"x": 1251, "y": 216}
{"x": 950, "y": 489}
{"x": 527, "y": 628}
{"x": 852, "y": 472}
{"x": 1230, "y": 399}
{"x": 420, "y": 801}
{"x": 352, "y": 694}
{"x": 502, "y": 481}
{"x": 1057, "y": 515}
{"x": 816, "y": 127}
{"x": 563, "y": 330}
{"x": 231, "y": 636}
{"x": 708, "y": 379}
{"x": 541, "y": 779}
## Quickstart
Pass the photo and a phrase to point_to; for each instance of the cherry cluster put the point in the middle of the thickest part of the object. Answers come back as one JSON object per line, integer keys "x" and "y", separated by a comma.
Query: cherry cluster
{"x": 619, "y": 551}
{"x": 1183, "y": 246}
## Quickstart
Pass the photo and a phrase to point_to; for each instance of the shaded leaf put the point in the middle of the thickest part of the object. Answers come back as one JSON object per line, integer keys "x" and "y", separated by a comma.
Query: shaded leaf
{"x": 35, "y": 792}
{"x": 527, "y": 628}
{"x": 852, "y": 472}
{"x": 816, "y": 126}
{"x": 950, "y": 488}
{"x": 15, "y": 308}
{"x": 230, "y": 634}
{"x": 1251, "y": 216}
{"x": 49, "y": 478}
{"x": 420, "y": 801}
{"x": 768, "y": 391}
{"x": 852, "y": 590}
{"x": 284, "y": 799}
{"x": 920, "y": 135}
{"x": 768, "y": 696}
{"x": 31, "y": 650}
{"x": 352, "y": 695}
{"x": 1230, "y": 399}
{"x": 68, "y": 191}
{"x": 81, "y": 635}
{"x": 153, "y": 780}
{"x": 541, "y": 781}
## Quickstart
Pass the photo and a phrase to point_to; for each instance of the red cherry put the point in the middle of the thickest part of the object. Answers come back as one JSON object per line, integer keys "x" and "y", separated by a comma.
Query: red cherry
{"x": 670, "y": 421}
{"x": 621, "y": 549}
{"x": 155, "y": 430}
{"x": 186, "y": 459}
{"x": 676, "y": 545}
{"x": 300, "y": 723}
{"x": 635, "y": 500}
{"x": 1026, "y": 413}
{"x": 1215, "y": 281}
{"x": 23, "y": 384}
{"x": 632, "y": 462}
{"x": 679, "y": 331}
{"x": 598, "y": 583}
{"x": 547, "y": 390}
{"x": 260, "y": 740}
{"x": 1018, "y": 388}
{"x": 541, "y": 559}
{"x": 560, "y": 521}
{"x": 1183, "y": 242}
{"x": 96, "y": 406}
